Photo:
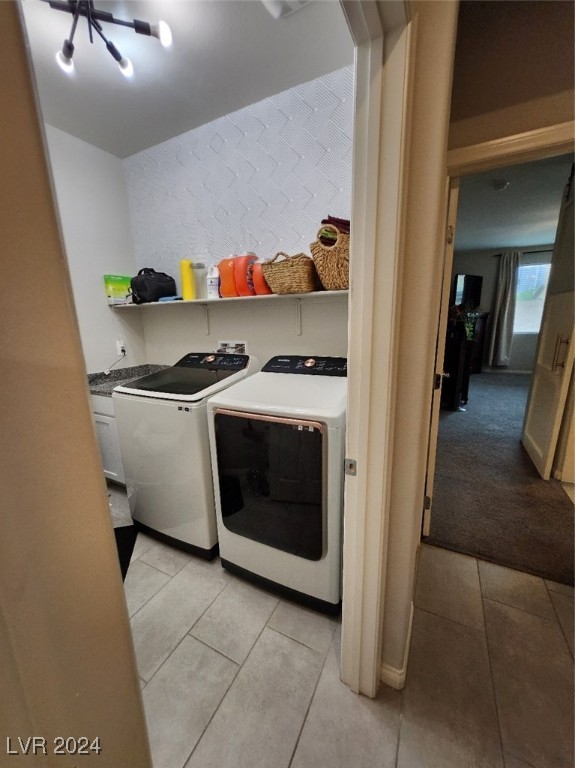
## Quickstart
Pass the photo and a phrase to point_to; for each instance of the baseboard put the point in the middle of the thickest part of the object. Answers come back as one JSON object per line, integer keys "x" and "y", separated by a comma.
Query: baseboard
{"x": 394, "y": 676}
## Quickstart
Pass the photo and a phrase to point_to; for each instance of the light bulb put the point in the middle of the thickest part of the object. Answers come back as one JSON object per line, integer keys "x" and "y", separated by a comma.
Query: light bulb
{"x": 162, "y": 31}
{"x": 126, "y": 67}
{"x": 64, "y": 57}
{"x": 65, "y": 64}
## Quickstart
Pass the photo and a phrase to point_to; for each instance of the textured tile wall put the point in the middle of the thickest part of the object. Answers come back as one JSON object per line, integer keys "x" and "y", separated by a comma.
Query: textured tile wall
{"x": 260, "y": 179}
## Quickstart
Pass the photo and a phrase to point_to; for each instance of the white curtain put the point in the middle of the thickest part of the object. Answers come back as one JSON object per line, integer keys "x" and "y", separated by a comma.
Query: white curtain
{"x": 504, "y": 310}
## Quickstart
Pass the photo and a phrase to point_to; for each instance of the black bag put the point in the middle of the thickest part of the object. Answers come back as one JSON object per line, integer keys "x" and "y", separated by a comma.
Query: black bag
{"x": 149, "y": 285}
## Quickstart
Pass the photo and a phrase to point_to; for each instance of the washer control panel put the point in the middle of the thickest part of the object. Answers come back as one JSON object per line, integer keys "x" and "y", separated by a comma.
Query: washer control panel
{"x": 314, "y": 366}
{"x": 214, "y": 361}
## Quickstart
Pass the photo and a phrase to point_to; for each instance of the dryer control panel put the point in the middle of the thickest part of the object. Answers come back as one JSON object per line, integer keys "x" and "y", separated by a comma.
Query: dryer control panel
{"x": 309, "y": 366}
{"x": 214, "y": 361}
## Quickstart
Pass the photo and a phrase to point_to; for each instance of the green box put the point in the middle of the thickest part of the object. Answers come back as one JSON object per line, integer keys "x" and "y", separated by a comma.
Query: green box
{"x": 118, "y": 289}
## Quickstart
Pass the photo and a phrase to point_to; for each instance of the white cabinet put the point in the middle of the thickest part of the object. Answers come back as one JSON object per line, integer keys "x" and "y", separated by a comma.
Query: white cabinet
{"x": 107, "y": 433}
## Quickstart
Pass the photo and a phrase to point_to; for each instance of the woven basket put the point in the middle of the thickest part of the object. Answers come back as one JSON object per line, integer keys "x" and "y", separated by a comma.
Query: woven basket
{"x": 291, "y": 274}
{"x": 332, "y": 261}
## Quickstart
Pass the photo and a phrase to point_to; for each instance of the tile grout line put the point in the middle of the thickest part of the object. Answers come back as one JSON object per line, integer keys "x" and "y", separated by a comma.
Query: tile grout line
{"x": 140, "y": 533}
{"x": 274, "y": 610}
{"x": 232, "y": 681}
{"x": 180, "y": 641}
{"x": 186, "y": 634}
{"x": 558, "y": 619}
{"x": 215, "y": 650}
{"x": 553, "y": 622}
{"x": 521, "y": 610}
{"x": 487, "y": 646}
{"x": 151, "y": 596}
{"x": 139, "y": 560}
{"x": 222, "y": 590}
{"x": 559, "y": 591}
{"x": 478, "y": 569}
{"x": 171, "y": 575}
{"x": 295, "y": 640}
{"x": 240, "y": 667}
{"x": 170, "y": 578}
{"x": 447, "y": 618}
{"x": 304, "y": 721}
{"x": 240, "y": 663}
{"x": 169, "y": 656}
{"x": 529, "y": 765}
{"x": 286, "y": 602}
{"x": 399, "y": 729}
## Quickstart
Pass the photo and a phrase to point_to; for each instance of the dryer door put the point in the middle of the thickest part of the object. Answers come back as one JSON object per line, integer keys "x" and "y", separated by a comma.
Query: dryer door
{"x": 271, "y": 476}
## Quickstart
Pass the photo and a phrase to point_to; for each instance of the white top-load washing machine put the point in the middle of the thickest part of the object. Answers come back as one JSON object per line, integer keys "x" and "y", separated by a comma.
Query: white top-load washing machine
{"x": 163, "y": 431}
{"x": 277, "y": 443}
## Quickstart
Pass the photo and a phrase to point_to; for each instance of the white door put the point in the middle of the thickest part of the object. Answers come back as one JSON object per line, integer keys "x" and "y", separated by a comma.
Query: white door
{"x": 440, "y": 351}
{"x": 554, "y": 359}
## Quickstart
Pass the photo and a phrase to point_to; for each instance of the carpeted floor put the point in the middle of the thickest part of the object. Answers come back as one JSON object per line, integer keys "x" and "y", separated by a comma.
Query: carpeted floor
{"x": 488, "y": 499}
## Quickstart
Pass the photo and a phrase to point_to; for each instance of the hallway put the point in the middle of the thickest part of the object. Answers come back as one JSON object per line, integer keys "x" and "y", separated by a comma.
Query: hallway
{"x": 489, "y": 500}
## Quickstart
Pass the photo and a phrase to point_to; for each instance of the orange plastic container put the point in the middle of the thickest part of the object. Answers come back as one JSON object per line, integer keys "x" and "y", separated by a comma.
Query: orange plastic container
{"x": 227, "y": 278}
{"x": 259, "y": 281}
{"x": 243, "y": 276}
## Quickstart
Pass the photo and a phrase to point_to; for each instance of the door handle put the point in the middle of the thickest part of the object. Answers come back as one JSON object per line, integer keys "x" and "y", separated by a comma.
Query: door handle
{"x": 438, "y": 378}
{"x": 556, "y": 364}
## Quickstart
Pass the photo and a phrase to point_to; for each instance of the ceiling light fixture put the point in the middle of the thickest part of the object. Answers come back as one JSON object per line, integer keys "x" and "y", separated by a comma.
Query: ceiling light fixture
{"x": 93, "y": 16}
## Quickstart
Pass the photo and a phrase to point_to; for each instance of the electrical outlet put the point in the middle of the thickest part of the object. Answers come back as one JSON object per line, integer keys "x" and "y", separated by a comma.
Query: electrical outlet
{"x": 120, "y": 347}
{"x": 239, "y": 347}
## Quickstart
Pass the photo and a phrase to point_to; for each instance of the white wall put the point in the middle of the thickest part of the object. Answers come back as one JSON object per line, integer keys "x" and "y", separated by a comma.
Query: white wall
{"x": 522, "y": 80}
{"x": 93, "y": 209}
{"x": 270, "y": 327}
{"x": 260, "y": 179}
{"x": 486, "y": 263}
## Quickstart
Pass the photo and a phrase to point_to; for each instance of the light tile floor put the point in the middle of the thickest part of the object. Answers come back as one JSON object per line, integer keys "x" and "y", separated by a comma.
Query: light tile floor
{"x": 234, "y": 676}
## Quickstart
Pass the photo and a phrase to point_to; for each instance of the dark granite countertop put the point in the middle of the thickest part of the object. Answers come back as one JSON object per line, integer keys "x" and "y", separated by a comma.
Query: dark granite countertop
{"x": 103, "y": 383}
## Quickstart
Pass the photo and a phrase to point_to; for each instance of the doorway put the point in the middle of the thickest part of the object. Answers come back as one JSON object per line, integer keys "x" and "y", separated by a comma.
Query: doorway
{"x": 488, "y": 499}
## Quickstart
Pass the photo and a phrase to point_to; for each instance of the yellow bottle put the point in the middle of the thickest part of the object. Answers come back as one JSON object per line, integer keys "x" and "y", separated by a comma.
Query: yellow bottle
{"x": 187, "y": 280}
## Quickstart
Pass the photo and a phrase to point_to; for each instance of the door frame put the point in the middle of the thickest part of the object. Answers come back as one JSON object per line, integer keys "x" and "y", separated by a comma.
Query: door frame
{"x": 512, "y": 150}
{"x": 381, "y": 37}
{"x": 403, "y": 89}
{"x": 520, "y": 148}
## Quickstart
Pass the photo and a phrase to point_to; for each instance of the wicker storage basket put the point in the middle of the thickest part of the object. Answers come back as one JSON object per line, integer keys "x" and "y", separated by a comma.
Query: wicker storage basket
{"x": 290, "y": 274}
{"x": 332, "y": 261}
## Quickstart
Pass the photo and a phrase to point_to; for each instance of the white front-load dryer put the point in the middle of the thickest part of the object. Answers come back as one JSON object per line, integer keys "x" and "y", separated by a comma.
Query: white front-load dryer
{"x": 163, "y": 432}
{"x": 277, "y": 443}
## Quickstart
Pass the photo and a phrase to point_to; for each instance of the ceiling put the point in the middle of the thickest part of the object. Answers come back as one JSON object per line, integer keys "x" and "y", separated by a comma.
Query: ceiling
{"x": 226, "y": 55}
{"x": 525, "y": 213}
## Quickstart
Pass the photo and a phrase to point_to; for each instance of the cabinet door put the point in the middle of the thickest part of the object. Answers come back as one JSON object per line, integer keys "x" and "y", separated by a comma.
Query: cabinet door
{"x": 109, "y": 447}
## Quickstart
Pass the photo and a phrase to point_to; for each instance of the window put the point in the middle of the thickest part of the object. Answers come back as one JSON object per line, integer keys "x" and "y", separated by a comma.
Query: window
{"x": 532, "y": 282}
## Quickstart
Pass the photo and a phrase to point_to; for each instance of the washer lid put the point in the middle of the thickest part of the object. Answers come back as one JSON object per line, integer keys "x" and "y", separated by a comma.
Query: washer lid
{"x": 320, "y": 398}
{"x": 196, "y": 375}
